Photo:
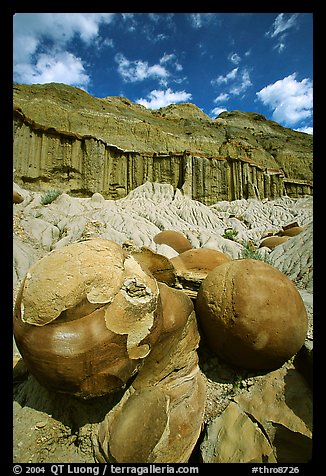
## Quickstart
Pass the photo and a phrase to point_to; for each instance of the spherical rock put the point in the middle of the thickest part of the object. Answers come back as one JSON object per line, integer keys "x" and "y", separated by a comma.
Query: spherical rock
{"x": 97, "y": 200}
{"x": 176, "y": 240}
{"x": 251, "y": 314}
{"x": 85, "y": 318}
{"x": 158, "y": 265}
{"x": 201, "y": 260}
{"x": 17, "y": 198}
{"x": 293, "y": 231}
{"x": 159, "y": 417}
{"x": 273, "y": 241}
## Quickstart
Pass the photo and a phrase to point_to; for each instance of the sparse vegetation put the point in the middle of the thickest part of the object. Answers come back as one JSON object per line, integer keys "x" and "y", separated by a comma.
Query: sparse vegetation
{"x": 230, "y": 233}
{"x": 237, "y": 383}
{"x": 50, "y": 196}
{"x": 250, "y": 252}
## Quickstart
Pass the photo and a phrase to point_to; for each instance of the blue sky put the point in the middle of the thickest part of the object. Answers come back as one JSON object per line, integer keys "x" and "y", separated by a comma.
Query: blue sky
{"x": 253, "y": 62}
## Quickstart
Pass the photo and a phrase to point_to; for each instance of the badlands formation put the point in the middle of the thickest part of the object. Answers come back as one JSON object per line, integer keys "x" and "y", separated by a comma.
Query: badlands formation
{"x": 62, "y": 135}
{"x": 169, "y": 370}
{"x": 163, "y": 283}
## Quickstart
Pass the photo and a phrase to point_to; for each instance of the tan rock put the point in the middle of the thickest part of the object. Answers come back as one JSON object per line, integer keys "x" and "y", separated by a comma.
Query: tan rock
{"x": 158, "y": 265}
{"x": 159, "y": 417}
{"x": 273, "y": 241}
{"x": 199, "y": 260}
{"x": 17, "y": 198}
{"x": 174, "y": 239}
{"x": 293, "y": 231}
{"x": 252, "y": 314}
{"x": 85, "y": 317}
{"x": 234, "y": 438}
{"x": 281, "y": 402}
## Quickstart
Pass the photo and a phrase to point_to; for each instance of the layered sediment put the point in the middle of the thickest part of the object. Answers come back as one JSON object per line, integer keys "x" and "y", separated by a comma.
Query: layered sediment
{"x": 66, "y": 139}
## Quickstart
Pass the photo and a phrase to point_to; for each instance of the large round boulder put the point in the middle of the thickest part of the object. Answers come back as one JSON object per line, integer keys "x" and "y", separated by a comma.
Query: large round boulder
{"x": 159, "y": 418}
{"x": 273, "y": 241}
{"x": 85, "y": 318}
{"x": 251, "y": 314}
{"x": 175, "y": 239}
{"x": 199, "y": 260}
{"x": 292, "y": 231}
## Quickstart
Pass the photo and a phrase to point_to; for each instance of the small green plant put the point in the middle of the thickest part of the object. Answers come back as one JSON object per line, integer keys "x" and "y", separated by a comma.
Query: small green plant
{"x": 250, "y": 252}
{"x": 237, "y": 383}
{"x": 50, "y": 196}
{"x": 230, "y": 233}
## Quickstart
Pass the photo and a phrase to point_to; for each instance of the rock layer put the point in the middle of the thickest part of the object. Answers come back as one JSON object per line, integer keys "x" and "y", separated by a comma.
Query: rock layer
{"x": 159, "y": 417}
{"x": 67, "y": 139}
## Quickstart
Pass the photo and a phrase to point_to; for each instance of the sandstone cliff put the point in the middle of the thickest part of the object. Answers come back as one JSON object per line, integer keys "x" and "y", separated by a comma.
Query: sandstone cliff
{"x": 67, "y": 139}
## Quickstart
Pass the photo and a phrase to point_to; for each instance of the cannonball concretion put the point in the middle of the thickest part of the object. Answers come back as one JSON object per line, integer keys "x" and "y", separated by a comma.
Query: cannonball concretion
{"x": 85, "y": 318}
{"x": 175, "y": 239}
{"x": 273, "y": 241}
{"x": 251, "y": 314}
{"x": 200, "y": 260}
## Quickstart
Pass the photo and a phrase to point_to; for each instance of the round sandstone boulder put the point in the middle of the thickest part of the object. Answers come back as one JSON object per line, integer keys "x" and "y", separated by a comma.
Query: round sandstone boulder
{"x": 199, "y": 260}
{"x": 159, "y": 418}
{"x": 176, "y": 240}
{"x": 85, "y": 318}
{"x": 293, "y": 231}
{"x": 251, "y": 314}
{"x": 17, "y": 198}
{"x": 273, "y": 241}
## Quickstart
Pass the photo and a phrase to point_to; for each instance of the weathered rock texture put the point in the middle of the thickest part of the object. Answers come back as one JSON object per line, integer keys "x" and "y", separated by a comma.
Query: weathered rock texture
{"x": 85, "y": 329}
{"x": 54, "y": 427}
{"x": 67, "y": 139}
{"x": 268, "y": 421}
{"x": 252, "y": 315}
{"x": 160, "y": 415}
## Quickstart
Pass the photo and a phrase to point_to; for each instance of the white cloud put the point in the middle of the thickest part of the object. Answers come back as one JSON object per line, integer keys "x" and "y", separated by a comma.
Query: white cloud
{"x": 280, "y": 46}
{"x": 138, "y": 70}
{"x": 61, "y": 67}
{"x": 172, "y": 59}
{"x": 198, "y": 20}
{"x": 307, "y": 130}
{"x": 238, "y": 80}
{"x": 217, "y": 111}
{"x": 234, "y": 58}
{"x": 162, "y": 98}
{"x": 291, "y": 100}
{"x": 30, "y": 31}
{"x": 222, "y": 97}
{"x": 281, "y": 24}
{"x": 242, "y": 84}
{"x": 279, "y": 29}
{"x": 130, "y": 19}
{"x": 225, "y": 79}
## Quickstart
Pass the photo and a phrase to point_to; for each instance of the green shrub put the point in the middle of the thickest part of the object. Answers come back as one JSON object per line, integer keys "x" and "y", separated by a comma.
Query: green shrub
{"x": 50, "y": 196}
{"x": 250, "y": 252}
{"x": 230, "y": 233}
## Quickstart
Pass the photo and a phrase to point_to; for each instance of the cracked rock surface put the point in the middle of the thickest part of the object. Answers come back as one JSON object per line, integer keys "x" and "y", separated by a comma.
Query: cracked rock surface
{"x": 180, "y": 378}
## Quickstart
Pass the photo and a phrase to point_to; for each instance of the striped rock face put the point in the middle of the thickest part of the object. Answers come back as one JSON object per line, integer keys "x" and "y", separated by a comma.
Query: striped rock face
{"x": 252, "y": 314}
{"x": 85, "y": 318}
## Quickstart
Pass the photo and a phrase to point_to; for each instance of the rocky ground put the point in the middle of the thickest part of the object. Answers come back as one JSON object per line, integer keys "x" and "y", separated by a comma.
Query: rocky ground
{"x": 255, "y": 416}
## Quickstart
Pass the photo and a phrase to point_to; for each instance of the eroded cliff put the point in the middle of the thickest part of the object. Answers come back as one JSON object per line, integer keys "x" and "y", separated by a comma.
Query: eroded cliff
{"x": 64, "y": 138}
